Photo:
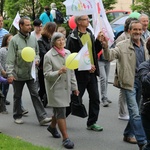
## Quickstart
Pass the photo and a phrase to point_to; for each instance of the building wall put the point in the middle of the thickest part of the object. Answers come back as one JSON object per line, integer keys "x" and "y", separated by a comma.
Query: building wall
{"x": 123, "y": 5}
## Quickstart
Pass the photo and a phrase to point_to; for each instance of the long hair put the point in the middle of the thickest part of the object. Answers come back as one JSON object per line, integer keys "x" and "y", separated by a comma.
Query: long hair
{"x": 5, "y": 38}
{"x": 49, "y": 29}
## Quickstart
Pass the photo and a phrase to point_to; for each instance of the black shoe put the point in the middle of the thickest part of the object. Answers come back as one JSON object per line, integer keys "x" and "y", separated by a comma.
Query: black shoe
{"x": 7, "y": 102}
{"x": 67, "y": 143}
{"x": 54, "y": 132}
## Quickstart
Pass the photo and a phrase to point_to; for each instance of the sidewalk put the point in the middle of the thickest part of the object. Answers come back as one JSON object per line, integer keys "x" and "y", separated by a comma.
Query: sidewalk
{"x": 31, "y": 131}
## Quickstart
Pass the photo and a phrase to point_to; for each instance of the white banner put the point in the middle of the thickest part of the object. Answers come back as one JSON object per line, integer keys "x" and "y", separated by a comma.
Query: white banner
{"x": 78, "y": 7}
{"x": 16, "y": 21}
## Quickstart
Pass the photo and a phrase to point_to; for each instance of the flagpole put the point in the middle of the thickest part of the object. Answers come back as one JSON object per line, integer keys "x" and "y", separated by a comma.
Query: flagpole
{"x": 10, "y": 27}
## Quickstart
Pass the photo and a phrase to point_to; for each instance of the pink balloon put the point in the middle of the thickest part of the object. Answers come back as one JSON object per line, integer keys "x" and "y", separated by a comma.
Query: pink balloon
{"x": 72, "y": 23}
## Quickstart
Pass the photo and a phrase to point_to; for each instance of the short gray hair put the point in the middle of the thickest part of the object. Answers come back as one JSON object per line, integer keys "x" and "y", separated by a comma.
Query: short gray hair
{"x": 56, "y": 36}
{"x": 143, "y": 15}
{"x": 77, "y": 18}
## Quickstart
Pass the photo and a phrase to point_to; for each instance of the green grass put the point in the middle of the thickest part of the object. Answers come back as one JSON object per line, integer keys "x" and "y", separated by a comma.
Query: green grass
{"x": 10, "y": 143}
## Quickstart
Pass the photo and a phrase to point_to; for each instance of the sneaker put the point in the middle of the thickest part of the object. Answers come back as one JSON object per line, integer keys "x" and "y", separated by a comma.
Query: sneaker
{"x": 24, "y": 112}
{"x": 95, "y": 127}
{"x": 19, "y": 121}
{"x": 109, "y": 101}
{"x": 67, "y": 143}
{"x": 45, "y": 121}
{"x": 105, "y": 104}
{"x": 54, "y": 132}
{"x": 126, "y": 117}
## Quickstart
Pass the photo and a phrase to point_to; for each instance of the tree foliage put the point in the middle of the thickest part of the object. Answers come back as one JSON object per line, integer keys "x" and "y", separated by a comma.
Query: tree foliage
{"x": 109, "y": 4}
{"x": 33, "y": 8}
{"x": 142, "y": 6}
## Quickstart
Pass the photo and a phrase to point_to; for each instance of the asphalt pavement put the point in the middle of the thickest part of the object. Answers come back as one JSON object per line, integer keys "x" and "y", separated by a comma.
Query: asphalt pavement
{"x": 109, "y": 139}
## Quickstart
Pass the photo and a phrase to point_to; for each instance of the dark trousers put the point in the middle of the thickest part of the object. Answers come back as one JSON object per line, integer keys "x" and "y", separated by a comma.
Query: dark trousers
{"x": 33, "y": 89}
{"x": 94, "y": 103}
{"x": 146, "y": 126}
{"x": 42, "y": 90}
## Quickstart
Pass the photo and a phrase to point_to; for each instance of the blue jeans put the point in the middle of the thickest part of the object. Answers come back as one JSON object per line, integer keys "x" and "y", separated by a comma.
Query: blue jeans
{"x": 134, "y": 126}
{"x": 146, "y": 125}
{"x": 5, "y": 88}
{"x": 33, "y": 89}
{"x": 104, "y": 67}
{"x": 94, "y": 103}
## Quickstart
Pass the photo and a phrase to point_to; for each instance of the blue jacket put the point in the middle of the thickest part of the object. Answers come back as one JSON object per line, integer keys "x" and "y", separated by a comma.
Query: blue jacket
{"x": 45, "y": 18}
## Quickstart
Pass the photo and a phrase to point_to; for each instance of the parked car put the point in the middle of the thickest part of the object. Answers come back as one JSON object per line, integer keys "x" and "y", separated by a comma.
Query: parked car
{"x": 118, "y": 25}
{"x": 113, "y": 14}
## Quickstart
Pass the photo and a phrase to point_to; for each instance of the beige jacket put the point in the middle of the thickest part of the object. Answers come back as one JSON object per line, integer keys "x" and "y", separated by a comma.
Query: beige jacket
{"x": 125, "y": 54}
{"x": 59, "y": 95}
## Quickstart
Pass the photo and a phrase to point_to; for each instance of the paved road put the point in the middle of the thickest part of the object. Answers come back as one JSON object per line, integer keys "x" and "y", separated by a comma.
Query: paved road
{"x": 109, "y": 139}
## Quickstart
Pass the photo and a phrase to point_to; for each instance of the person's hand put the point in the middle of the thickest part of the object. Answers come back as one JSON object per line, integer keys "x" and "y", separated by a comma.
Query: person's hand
{"x": 37, "y": 63}
{"x": 92, "y": 69}
{"x": 62, "y": 70}
{"x": 103, "y": 39}
{"x": 76, "y": 92}
{"x": 3, "y": 72}
{"x": 11, "y": 79}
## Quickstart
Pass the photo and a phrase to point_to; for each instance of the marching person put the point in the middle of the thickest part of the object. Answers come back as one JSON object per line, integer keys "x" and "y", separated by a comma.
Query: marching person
{"x": 19, "y": 72}
{"x": 59, "y": 82}
{"x": 87, "y": 79}
{"x": 130, "y": 53}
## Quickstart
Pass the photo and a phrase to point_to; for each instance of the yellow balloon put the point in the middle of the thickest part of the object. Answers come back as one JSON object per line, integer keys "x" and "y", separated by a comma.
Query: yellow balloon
{"x": 28, "y": 54}
{"x": 71, "y": 62}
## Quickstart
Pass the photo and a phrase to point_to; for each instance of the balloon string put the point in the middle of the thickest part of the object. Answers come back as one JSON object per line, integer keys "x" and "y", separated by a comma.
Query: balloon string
{"x": 71, "y": 61}
{"x": 60, "y": 75}
{"x": 55, "y": 82}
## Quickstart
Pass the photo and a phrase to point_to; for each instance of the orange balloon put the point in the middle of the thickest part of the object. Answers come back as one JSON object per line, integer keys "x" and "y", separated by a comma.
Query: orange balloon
{"x": 72, "y": 23}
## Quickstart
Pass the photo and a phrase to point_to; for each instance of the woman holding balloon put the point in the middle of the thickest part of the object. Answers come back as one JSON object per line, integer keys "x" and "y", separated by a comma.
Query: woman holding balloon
{"x": 59, "y": 82}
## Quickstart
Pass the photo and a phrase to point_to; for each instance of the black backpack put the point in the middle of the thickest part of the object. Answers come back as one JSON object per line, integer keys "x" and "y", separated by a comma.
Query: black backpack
{"x": 59, "y": 17}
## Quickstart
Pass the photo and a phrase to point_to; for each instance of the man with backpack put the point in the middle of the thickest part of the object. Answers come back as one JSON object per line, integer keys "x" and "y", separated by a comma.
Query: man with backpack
{"x": 46, "y": 16}
{"x": 57, "y": 15}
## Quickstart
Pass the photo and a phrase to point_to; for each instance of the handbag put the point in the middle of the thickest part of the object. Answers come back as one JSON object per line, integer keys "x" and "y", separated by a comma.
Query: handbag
{"x": 77, "y": 108}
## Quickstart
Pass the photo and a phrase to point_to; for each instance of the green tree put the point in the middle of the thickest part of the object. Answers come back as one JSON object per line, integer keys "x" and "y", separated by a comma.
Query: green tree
{"x": 24, "y": 7}
{"x": 1, "y": 6}
{"x": 141, "y": 6}
{"x": 108, "y": 5}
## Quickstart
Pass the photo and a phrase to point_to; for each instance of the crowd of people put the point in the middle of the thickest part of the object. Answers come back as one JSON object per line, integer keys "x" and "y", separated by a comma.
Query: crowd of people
{"x": 54, "y": 82}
